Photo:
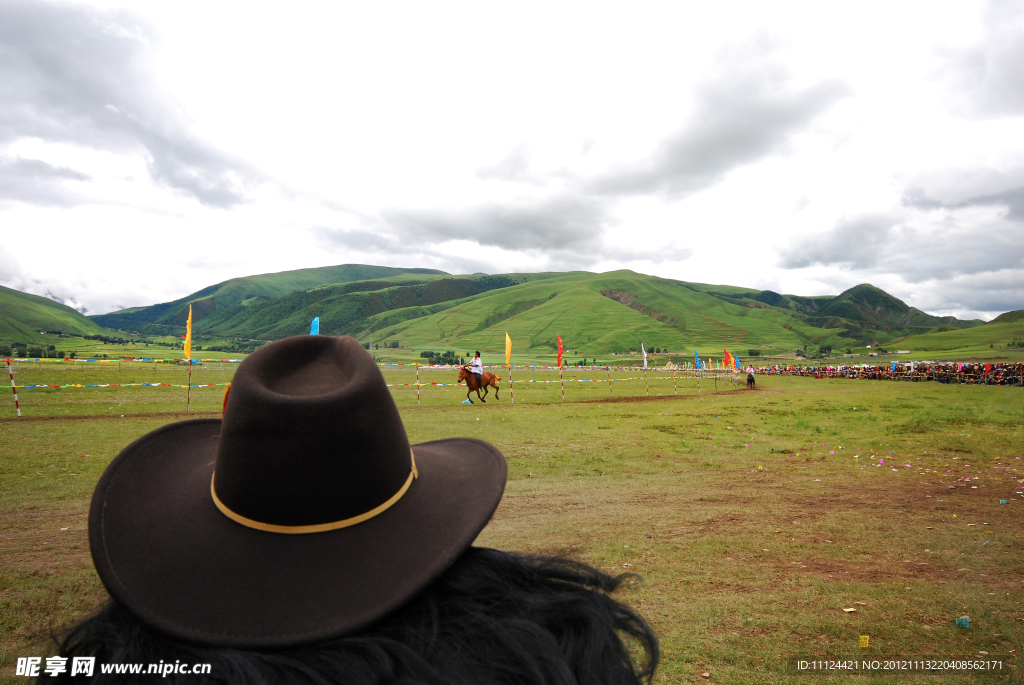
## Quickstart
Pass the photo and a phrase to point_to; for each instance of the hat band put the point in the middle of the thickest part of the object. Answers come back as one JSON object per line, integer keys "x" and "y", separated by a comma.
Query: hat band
{"x": 318, "y": 527}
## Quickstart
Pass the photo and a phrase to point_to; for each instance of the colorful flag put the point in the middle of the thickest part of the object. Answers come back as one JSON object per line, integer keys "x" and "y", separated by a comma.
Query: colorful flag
{"x": 188, "y": 335}
{"x": 314, "y": 328}
{"x": 696, "y": 357}
{"x": 644, "y": 352}
{"x": 560, "y": 350}
{"x": 508, "y": 349}
{"x": 737, "y": 360}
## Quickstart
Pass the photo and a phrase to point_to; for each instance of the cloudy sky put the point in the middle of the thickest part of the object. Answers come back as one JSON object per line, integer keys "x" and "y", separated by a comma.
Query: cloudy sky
{"x": 150, "y": 149}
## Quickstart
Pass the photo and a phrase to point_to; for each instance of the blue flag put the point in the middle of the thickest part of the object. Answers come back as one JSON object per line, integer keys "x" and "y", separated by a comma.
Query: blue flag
{"x": 314, "y": 328}
{"x": 696, "y": 356}
{"x": 738, "y": 365}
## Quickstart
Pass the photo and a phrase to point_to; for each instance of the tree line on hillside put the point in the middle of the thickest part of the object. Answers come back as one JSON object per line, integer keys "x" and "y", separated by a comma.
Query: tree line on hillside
{"x": 444, "y": 358}
{"x": 26, "y": 351}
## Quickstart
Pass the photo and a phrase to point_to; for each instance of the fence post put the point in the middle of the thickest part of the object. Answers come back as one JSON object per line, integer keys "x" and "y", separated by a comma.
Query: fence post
{"x": 511, "y": 392}
{"x": 10, "y": 370}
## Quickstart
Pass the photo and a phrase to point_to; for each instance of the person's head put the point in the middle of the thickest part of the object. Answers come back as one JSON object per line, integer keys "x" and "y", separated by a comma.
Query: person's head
{"x": 301, "y": 537}
{"x": 477, "y": 353}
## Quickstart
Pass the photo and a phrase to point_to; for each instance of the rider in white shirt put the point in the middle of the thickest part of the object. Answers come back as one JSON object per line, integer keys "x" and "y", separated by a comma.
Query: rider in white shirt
{"x": 477, "y": 366}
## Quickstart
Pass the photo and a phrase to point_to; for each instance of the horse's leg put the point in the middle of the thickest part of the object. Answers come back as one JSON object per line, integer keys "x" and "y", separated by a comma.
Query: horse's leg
{"x": 469, "y": 390}
{"x": 495, "y": 389}
{"x": 486, "y": 390}
{"x": 476, "y": 386}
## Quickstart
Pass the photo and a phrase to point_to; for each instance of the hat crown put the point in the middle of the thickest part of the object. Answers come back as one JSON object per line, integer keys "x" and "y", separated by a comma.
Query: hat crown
{"x": 311, "y": 435}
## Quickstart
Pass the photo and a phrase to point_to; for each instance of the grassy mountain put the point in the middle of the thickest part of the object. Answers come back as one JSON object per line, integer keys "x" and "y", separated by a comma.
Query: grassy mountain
{"x": 594, "y": 313}
{"x": 611, "y": 312}
{"x": 1007, "y": 317}
{"x": 876, "y": 308}
{"x": 866, "y": 314}
{"x": 667, "y": 314}
{"x": 248, "y": 289}
{"x": 343, "y": 309}
{"x": 23, "y": 316}
{"x": 1006, "y": 330}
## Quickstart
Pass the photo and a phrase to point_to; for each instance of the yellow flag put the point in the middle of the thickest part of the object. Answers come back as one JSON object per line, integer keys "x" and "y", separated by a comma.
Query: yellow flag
{"x": 188, "y": 334}
{"x": 508, "y": 349}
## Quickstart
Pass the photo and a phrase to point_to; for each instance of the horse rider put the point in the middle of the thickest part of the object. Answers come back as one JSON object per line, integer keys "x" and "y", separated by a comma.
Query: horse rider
{"x": 477, "y": 366}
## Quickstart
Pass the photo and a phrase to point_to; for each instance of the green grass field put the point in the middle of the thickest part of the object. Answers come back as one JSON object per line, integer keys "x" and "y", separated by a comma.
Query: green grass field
{"x": 752, "y": 536}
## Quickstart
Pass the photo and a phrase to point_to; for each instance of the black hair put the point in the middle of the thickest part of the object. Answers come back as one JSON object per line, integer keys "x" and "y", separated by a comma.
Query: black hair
{"x": 478, "y": 353}
{"x": 494, "y": 617}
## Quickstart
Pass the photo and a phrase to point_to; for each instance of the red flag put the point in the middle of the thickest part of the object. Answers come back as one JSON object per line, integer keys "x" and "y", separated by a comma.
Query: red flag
{"x": 728, "y": 361}
{"x": 988, "y": 367}
{"x": 560, "y": 350}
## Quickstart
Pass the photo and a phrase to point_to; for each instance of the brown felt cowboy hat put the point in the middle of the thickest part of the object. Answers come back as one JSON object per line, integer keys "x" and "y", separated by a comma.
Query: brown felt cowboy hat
{"x": 303, "y": 515}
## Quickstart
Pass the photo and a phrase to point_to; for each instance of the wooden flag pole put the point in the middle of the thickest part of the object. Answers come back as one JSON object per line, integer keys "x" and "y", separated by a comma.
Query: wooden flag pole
{"x": 675, "y": 388}
{"x": 562, "y": 381}
{"x": 188, "y": 397}
{"x": 511, "y": 392}
{"x": 187, "y": 349}
{"x": 417, "y": 385}
{"x": 14, "y": 389}
{"x": 647, "y": 385}
{"x": 610, "y": 391}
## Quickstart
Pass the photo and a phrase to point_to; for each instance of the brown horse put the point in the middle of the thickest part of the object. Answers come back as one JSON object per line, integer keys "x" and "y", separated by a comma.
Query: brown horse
{"x": 474, "y": 382}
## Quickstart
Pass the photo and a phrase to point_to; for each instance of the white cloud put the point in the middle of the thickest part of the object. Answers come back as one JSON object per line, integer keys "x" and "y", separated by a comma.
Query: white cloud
{"x": 168, "y": 147}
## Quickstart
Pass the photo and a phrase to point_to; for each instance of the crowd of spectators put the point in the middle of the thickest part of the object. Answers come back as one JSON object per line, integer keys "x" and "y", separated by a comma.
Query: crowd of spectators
{"x": 943, "y": 372}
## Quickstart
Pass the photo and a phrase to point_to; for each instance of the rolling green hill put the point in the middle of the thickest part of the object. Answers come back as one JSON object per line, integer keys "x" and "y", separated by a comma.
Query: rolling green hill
{"x": 998, "y": 333}
{"x": 23, "y": 316}
{"x": 1006, "y": 317}
{"x": 868, "y": 314}
{"x": 599, "y": 313}
{"x": 614, "y": 312}
{"x": 246, "y": 290}
{"x": 594, "y": 313}
{"x": 343, "y": 309}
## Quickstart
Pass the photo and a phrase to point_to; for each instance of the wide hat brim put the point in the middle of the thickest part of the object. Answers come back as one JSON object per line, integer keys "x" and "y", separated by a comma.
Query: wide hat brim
{"x": 166, "y": 552}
